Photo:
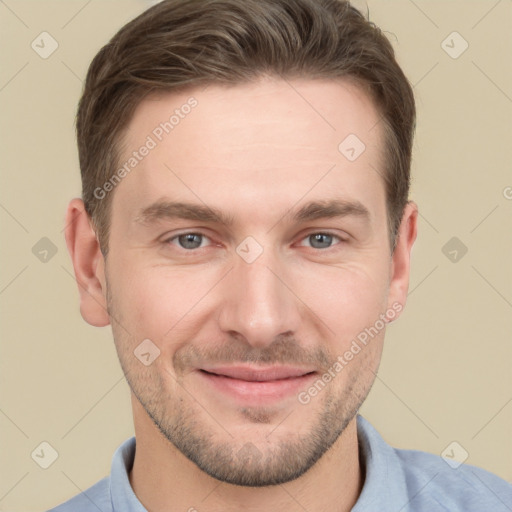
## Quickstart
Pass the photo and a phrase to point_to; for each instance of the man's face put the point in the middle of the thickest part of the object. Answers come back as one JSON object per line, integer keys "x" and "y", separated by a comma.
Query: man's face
{"x": 270, "y": 290}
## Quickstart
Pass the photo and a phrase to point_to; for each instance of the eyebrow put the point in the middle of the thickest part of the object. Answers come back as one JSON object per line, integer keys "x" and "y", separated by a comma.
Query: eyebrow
{"x": 165, "y": 209}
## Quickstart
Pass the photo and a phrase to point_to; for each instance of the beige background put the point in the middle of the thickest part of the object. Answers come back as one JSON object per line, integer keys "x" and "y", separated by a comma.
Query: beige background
{"x": 446, "y": 374}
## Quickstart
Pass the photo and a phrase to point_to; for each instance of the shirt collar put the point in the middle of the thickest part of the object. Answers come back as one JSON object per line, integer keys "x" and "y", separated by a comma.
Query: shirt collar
{"x": 384, "y": 486}
{"x": 121, "y": 492}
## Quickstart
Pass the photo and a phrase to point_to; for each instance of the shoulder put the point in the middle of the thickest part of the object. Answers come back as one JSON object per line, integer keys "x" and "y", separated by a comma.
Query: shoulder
{"x": 417, "y": 481}
{"x": 96, "y": 497}
{"x": 433, "y": 483}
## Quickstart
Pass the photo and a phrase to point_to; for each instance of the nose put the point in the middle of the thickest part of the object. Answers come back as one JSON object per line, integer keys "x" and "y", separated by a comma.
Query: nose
{"x": 258, "y": 302}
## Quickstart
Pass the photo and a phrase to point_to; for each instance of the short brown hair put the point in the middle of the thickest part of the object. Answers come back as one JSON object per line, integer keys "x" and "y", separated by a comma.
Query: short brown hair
{"x": 179, "y": 44}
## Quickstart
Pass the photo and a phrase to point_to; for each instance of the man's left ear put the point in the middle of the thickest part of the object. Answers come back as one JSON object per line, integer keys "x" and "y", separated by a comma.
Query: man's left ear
{"x": 401, "y": 258}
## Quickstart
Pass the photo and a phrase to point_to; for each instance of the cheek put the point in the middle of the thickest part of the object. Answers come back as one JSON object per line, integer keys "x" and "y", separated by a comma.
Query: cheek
{"x": 156, "y": 302}
{"x": 347, "y": 298}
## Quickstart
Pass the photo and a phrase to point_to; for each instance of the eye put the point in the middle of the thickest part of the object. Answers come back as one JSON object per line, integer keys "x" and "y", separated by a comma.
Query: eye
{"x": 191, "y": 241}
{"x": 322, "y": 240}
{"x": 188, "y": 241}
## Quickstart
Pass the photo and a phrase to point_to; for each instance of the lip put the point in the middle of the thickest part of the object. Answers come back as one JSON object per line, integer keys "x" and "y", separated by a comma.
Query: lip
{"x": 256, "y": 384}
{"x": 257, "y": 373}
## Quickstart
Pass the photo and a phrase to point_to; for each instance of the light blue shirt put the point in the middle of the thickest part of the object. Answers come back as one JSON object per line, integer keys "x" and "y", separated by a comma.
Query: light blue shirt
{"x": 395, "y": 481}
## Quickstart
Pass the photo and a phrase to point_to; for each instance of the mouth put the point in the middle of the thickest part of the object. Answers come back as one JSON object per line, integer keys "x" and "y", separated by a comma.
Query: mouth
{"x": 257, "y": 384}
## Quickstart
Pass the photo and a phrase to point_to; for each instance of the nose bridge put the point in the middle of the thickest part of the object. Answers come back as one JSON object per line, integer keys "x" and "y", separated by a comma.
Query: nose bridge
{"x": 257, "y": 304}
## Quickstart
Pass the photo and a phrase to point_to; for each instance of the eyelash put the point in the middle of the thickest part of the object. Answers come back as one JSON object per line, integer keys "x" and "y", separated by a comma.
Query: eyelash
{"x": 175, "y": 237}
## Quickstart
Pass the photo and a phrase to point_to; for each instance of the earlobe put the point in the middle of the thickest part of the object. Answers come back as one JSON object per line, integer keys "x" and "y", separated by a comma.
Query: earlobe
{"x": 401, "y": 259}
{"x": 88, "y": 264}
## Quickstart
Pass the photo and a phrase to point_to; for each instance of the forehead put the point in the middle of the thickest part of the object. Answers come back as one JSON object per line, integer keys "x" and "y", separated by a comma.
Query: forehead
{"x": 303, "y": 111}
{"x": 271, "y": 141}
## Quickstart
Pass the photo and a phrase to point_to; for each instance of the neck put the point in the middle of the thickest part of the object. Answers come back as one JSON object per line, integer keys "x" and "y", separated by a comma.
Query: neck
{"x": 163, "y": 479}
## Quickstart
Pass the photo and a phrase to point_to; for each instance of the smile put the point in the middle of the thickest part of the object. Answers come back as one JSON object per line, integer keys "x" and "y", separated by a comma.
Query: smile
{"x": 258, "y": 385}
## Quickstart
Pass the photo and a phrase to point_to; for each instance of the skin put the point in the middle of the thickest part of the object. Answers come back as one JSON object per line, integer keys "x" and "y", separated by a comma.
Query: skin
{"x": 255, "y": 151}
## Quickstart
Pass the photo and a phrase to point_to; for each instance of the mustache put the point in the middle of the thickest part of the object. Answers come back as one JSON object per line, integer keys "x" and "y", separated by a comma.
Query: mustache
{"x": 283, "y": 350}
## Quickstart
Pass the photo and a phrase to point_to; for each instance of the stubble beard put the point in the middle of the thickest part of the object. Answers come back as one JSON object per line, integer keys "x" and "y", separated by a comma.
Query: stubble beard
{"x": 278, "y": 457}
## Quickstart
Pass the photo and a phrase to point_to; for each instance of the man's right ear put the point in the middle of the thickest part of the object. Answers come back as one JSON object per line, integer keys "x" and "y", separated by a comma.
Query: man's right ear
{"x": 88, "y": 264}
